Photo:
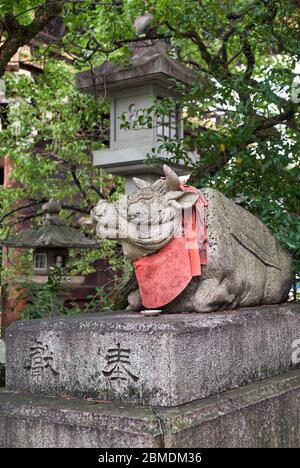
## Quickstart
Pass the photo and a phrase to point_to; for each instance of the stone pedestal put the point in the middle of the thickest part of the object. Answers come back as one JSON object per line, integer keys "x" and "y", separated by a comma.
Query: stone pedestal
{"x": 265, "y": 415}
{"x": 163, "y": 361}
{"x": 181, "y": 380}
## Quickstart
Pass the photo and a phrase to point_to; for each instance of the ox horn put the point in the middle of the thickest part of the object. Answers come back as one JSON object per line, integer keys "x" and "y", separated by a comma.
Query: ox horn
{"x": 172, "y": 180}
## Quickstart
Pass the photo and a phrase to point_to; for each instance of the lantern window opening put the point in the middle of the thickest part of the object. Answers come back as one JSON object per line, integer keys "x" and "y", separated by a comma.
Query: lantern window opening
{"x": 40, "y": 261}
{"x": 167, "y": 126}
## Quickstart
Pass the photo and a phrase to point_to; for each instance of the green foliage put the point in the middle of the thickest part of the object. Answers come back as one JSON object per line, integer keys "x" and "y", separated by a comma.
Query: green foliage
{"x": 15, "y": 266}
{"x": 112, "y": 295}
{"x": 22, "y": 9}
{"x": 46, "y": 300}
{"x": 51, "y": 133}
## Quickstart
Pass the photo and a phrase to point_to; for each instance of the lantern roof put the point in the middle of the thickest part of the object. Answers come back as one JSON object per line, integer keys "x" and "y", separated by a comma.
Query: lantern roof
{"x": 52, "y": 232}
{"x": 149, "y": 63}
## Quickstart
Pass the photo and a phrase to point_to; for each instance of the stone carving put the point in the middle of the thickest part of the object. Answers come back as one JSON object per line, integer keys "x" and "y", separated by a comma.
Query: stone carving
{"x": 118, "y": 363}
{"x": 40, "y": 358}
{"x": 133, "y": 115}
{"x": 246, "y": 265}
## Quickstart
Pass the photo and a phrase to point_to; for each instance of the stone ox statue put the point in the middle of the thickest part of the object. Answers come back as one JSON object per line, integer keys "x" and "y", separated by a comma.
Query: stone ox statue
{"x": 246, "y": 266}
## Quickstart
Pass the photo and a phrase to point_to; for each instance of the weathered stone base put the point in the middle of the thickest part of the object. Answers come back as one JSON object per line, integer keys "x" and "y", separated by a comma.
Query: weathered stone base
{"x": 160, "y": 361}
{"x": 263, "y": 414}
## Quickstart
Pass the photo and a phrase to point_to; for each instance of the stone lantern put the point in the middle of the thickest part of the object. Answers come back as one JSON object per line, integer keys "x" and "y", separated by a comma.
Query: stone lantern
{"x": 51, "y": 241}
{"x": 151, "y": 75}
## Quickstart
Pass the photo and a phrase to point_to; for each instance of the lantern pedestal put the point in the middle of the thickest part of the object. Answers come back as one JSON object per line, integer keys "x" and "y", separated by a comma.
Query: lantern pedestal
{"x": 129, "y": 162}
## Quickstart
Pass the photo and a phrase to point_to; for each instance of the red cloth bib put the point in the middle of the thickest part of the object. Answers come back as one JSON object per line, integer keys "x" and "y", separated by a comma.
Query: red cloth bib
{"x": 162, "y": 276}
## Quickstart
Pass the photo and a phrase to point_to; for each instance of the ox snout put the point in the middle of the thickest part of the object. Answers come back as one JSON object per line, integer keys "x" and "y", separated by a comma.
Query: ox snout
{"x": 104, "y": 215}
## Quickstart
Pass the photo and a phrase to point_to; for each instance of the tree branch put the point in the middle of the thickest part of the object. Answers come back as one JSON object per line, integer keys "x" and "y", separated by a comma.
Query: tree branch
{"x": 247, "y": 50}
{"x": 19, "y": 208}
{"x": 196, "y": 38}
{"x": 19, "y": 35}
{"x": 278, "y": 119}
{"x": 77, "y": 182}
{"x": 93, "y": 187}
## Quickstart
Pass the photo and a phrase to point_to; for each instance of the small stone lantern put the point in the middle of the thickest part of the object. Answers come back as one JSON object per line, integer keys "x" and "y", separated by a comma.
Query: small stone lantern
{"x": 51, "y": 241}
{"x": 149, "y": 77}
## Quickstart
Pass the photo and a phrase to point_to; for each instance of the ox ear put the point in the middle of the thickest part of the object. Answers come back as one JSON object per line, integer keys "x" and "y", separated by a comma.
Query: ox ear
{"x": 181, "y": 199}
{"x": 140, "y": 183}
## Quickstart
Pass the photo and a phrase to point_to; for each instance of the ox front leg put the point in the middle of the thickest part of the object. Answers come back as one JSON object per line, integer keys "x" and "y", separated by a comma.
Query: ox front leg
{"x": 134, "y": 301}
{"x": 213, "y": 295}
